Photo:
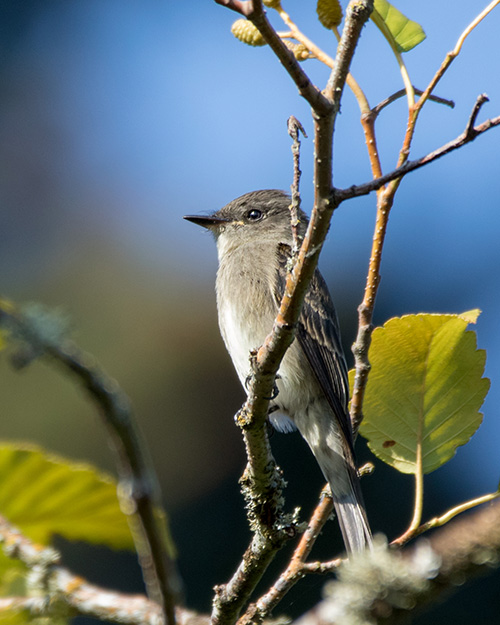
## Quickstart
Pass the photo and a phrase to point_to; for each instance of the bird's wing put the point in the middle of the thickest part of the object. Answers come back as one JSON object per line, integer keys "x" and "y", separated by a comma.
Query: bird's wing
{"x": 319, "y": 337}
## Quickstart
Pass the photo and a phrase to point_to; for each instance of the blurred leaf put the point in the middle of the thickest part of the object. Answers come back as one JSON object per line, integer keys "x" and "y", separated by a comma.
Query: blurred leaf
{"x": 13, "y": 584}
{"x": 44, "y": 495}
{"x": 12, "y": 577}
{"x": 7, "y": 306}
{"x": 402, "y": 33}
{"x": 425, "y": 388}
{"x": 21, "y": 617}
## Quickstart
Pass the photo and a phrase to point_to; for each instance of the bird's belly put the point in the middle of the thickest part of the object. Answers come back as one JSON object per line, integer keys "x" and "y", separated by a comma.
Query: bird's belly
{"x": 240, "y": 337}
{"x": 243, "y": 333}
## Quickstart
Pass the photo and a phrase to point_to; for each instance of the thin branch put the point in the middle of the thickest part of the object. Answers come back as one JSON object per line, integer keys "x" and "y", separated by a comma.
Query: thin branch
{"x": 323, "y": 57}
{"x": 352, "y": 83}
{"x": 467, "y": 548}
{"x": 17, "y": 546}
{"x": 60, "y": 593}
{"x": 452, "y": 55}
{"x": 385, "y": 201}
{"x": 138, "y": 487}
{"x": 368, "y": 125}
{"x": 470, "y": 131}
{"x": 73, "y": 596}
{"x": 297, "y": 567}
{"x": 466, "y": 137}
{"x": 307, "y": 89}
{"x": 399, "y": 94}
{"x": 318, "y": 519}
{"x": 297, "y": 34}
{"x": 294, "y": 130}
{"x": 446, "y": 517}
{"x": 267, "y": 540}
{"x": 322, "y": 568}
{"x": 385, "y": 585}
{"x": 357, "y": 14}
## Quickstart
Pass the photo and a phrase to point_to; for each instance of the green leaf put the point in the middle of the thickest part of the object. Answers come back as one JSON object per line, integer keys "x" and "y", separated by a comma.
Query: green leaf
{"x": 44, "y": 495}
{"x": 424, "y": 391}
{"x": 402, "y": 33}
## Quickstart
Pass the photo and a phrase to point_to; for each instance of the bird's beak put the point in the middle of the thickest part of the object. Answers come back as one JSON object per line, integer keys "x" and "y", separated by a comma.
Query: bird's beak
{"x": 208, "y": 221}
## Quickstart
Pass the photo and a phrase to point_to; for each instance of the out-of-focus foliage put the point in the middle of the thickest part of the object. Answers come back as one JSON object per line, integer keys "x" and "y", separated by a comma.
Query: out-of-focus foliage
{"x": 43, "y": 495}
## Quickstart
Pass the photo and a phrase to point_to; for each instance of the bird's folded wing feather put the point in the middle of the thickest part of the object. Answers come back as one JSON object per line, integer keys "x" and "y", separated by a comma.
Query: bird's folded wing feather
{"x": 319, "y": 337}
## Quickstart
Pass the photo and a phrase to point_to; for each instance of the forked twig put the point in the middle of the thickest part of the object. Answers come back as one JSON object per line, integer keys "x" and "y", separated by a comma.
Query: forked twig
{"x": 297, "y": 566}
{"x": 470, "y": 133}
{"x": 402, "y": 92}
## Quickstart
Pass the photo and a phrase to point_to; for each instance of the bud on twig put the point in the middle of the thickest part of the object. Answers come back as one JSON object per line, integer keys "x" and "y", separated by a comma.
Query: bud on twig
{"x": 299, "y": 50}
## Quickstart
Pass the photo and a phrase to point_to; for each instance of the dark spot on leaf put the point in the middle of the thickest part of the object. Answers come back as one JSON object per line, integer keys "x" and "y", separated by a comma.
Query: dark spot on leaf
{"x": 386, "y": 444}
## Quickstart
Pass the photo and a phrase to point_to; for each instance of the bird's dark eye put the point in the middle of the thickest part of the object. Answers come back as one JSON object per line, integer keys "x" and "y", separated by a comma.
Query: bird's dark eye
{"x": 254, "y": 214}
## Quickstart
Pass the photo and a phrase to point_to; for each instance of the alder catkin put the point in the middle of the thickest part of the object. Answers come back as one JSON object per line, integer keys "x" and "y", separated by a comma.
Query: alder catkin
{"x": 329, "y": 13}
{"x": 246, "y": 32}
{"x": 300, "y": 51}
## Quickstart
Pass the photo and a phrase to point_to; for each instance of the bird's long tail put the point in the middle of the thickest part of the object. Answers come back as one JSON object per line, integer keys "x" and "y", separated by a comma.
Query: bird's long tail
{"x": 336, "y": 461}
{"x": 352, "y": 518}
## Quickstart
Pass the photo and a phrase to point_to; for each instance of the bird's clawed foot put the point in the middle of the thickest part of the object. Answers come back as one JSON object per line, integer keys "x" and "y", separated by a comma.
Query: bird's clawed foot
{"x": 275, "y": 391}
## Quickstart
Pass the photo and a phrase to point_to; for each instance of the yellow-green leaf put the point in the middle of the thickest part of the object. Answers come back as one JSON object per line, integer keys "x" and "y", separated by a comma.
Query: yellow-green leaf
{"x": 402, "y": 33}
{"x": 43, "y": 495}
{"x": 425, "y": 390}
{"x": 470, "y": 316}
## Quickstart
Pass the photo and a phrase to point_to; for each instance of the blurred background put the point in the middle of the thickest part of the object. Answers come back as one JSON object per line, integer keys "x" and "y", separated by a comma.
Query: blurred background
{"x": 117, "y": 118}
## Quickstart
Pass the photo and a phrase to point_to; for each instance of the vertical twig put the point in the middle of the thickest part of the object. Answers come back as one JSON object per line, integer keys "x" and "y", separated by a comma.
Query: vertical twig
{"x": 366, "y": 309}
{"x": 294, "y": 130}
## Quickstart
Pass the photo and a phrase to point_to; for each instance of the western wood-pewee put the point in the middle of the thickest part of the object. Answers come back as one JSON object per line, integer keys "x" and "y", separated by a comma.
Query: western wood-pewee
{"x": 254, "y": 244}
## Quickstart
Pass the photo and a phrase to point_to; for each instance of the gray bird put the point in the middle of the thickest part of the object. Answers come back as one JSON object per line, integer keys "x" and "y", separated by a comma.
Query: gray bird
{"x": 254, "y": 243}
